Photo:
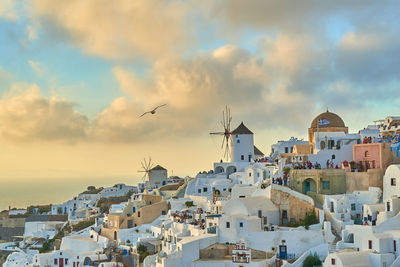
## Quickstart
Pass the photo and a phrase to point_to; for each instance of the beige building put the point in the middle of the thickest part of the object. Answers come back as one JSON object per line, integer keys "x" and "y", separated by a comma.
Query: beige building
{"x": 292, "y": 205}
{"x": 142, "y": 210}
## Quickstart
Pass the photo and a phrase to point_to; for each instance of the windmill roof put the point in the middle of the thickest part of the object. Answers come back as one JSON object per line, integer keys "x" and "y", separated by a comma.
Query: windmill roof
{"x": 158, "y": 168}
{"x": 241, "y": 129}
{"x": 258, "y": 152}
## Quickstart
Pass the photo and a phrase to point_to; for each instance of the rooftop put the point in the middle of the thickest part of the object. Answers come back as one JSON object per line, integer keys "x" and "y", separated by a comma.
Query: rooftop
{"x": 327, "y": 119}
{"x": 241, "y": 129}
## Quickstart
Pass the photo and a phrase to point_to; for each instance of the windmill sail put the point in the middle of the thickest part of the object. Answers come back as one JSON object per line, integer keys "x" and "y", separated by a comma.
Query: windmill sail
{"x": 227, "y": 134}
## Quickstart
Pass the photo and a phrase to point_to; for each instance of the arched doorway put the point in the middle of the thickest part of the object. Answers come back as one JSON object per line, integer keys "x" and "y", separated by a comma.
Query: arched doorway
{"x": 219, "y": 169}
{"x": 230, "y": 170}
{"x": 309, "y": 185}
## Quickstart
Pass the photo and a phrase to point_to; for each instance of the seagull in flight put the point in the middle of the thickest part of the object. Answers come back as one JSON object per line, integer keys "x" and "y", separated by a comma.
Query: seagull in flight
{"x": 152, "y": 111}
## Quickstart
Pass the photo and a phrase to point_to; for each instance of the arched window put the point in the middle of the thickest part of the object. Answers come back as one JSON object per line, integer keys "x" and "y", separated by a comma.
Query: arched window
{"x": 322, "y": 145}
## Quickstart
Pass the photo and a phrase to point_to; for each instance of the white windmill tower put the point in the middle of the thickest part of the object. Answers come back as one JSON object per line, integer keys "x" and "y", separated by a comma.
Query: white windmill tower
{"x": 243, "y": 144}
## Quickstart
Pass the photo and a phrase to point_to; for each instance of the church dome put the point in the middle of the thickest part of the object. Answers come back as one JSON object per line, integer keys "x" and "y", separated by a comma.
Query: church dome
{"x": 327, "y": 119}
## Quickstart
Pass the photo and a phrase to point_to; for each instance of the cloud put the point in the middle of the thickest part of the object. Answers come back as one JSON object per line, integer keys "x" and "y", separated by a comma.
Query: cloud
{"x": 8, "y": 10}
{"x": 26, "y": 115}
{"x": 290, "y": 16}
{"x": 117, "y": 30}
{"x": 37, "y": 67}
{"x": 195, "y": 90}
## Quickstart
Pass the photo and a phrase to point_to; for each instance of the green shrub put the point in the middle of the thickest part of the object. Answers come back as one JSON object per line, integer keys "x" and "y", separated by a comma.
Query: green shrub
{"x": 189, "y": 204}
{"x": 312, "y": 261}
{"x": 83, "y": 224}
{"x": 142, "y": 250}
{"x": 308, "y": 220}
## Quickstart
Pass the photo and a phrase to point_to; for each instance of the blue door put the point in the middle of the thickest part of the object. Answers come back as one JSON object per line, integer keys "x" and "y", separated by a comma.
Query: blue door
{"x": 307, "y": 187}
{"x": 282, "y": 252}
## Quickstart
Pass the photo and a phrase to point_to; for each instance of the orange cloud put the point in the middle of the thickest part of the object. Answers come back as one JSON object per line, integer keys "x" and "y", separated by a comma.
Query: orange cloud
{"x": 118, "y": 30}
{"x": 8, "y": 10}
{"x": 25, "y": 115}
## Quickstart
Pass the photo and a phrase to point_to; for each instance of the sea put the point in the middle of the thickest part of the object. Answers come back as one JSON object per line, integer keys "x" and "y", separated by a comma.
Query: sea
{"x": 20, "y": 193}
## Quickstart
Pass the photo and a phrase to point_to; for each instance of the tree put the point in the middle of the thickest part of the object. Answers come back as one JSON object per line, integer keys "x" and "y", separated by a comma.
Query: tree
{"x": 142, "y": 250}
{"x": 189, "y": 204}
{"x": 312, "y": 261}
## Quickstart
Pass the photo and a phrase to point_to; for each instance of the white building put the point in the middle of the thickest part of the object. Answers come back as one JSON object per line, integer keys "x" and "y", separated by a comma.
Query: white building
{"x": 391, "y": 183}
{"x": 244, "y": 215}
{"x": 333, "y": 146}
{"x": 158, "y": 177}
{"x": 285, "y": 147}
{"x": 350, "y": 258}
{"x": 345, "y": 209}
{"x": 43, "y": 226}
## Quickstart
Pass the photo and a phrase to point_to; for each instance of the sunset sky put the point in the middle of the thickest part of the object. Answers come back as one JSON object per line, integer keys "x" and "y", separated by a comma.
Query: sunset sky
{"x": 75, "y": 76}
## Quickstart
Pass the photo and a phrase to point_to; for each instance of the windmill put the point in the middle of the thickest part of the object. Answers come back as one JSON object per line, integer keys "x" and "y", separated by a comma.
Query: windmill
{"x": 146, "y": 169}
{"x": 227, "y": 134}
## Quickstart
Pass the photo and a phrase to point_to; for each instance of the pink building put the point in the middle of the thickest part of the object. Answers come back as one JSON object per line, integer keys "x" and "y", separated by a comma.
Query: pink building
{"x": 372, "y": 156}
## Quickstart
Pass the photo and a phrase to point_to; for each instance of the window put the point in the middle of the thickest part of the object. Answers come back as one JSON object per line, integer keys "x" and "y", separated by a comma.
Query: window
{"x": 199, "y": 191}
{"x": 393, "y": 181}
{"x": 291, "y": 149}
{"x": 204, "y": 189}
{"x": 66, "y": 261}
{"x": 163, "y": 212}
{"x": 241, "y": 225}
{"x": 265, "y": 220}
{"x": 353, "y": 206}
{"x": 333, "y": 261}
{"x": 249, "y": 174}
{"x": 333, "y": 156}
{"x": 55, "y": 261}
{"x": 259, "y": 213}
{"x": 322, "y": 144}
{"x": 286, "y": 150}
{"x": 138, "y": 214}
{"x": 366, "y": 154}
{"x": 369, "y": 244}
{"x": 242, "y": 157}
{"x": 228, "y": 225}
{"x": 284, "y": 214}
{"x": 238, "y": 141}
{"x": 331, "y": 144}
{"x": 326, "y": 185}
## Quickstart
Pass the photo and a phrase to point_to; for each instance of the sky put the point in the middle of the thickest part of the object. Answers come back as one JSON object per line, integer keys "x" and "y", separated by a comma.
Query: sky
{"x": 75, "y": 76}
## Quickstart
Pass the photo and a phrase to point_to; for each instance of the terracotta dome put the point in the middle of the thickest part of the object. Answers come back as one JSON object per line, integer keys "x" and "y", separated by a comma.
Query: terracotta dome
{"x": 328, "y": 119}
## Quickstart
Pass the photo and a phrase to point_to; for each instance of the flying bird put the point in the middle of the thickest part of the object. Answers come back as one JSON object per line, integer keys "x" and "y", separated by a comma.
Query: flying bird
{"x": 152, "y": 111}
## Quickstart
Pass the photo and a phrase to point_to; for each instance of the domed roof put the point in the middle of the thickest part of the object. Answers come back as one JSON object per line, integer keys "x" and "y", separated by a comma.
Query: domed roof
{"x": 327, "y": 119}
